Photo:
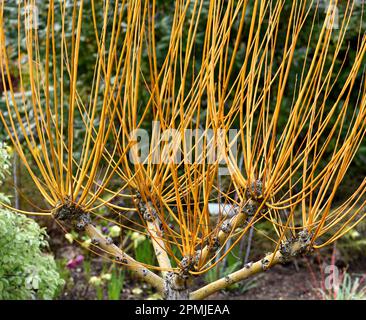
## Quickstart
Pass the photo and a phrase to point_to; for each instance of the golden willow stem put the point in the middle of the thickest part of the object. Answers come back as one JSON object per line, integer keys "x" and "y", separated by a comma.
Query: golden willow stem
{"x": 130, "y": 263}
{"x": 244, "y": 273}
{"x": 159, "y": 247}
{"x": 153, "y": 227}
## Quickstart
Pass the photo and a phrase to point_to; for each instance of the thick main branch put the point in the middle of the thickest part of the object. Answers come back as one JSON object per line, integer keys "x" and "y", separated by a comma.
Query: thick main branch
{"x": 153, "y": 224}
{"x": 244, "y": 273}
{"x": 80, "y": 219}
{"x": 142, "y": 272}
{"x": 288, "y": 250}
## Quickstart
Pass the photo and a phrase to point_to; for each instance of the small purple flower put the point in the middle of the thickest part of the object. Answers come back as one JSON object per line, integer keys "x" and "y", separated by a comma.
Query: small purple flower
{"x": 105, "y": 229}
{"x": 73, "y": 263}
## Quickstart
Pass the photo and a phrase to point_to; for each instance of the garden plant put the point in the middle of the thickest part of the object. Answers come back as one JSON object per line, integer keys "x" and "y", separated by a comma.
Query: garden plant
{"x": 27, "y": 271}
{"x": 195, "y": 143}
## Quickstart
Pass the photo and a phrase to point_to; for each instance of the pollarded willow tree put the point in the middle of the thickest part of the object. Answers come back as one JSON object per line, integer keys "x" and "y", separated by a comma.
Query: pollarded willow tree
{"x": 187, "y": 143}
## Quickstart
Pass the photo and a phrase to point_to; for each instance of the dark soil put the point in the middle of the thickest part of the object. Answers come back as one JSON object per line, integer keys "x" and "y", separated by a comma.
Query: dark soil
{"x": 278, "y": 283}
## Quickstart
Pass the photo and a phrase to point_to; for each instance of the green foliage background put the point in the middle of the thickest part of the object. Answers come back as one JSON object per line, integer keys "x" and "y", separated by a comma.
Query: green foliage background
{"x": 26, "y": 271}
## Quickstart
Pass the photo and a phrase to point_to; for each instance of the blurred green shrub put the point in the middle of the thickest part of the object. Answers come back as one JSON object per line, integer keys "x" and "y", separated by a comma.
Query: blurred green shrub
{"x": 352, "y": 246}
{"x": 4, "y": 169}
{"x": 26, "y": 271}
